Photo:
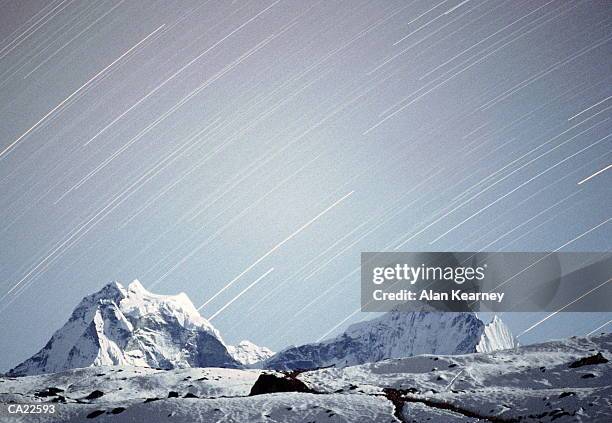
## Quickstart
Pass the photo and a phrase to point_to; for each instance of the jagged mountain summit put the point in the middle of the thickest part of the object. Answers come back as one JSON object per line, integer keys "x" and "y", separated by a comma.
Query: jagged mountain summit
{"x": 248, "y": 353}
{"x": 131, "y": 326}
{"x": 398, "y": 334}
{"x": 496, "y": 336}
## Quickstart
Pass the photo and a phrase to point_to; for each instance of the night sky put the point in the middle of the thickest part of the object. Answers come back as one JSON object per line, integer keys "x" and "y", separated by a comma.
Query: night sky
{"x": 246, "y": 152}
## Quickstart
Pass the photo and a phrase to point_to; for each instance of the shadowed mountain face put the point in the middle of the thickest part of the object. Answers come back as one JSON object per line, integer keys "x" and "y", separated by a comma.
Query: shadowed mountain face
{"x": 131, "y": 326}
{"x": 395, "y": 335}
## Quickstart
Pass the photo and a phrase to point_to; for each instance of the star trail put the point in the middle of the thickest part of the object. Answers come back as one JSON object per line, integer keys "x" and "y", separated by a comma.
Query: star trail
{"x": 197, "y": 146}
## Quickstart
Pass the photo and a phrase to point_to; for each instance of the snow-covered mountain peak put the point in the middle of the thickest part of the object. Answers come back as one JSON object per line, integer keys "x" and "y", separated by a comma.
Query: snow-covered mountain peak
{"x": 248, "y": 353}
{"x": 112, "y": 290}
{"x": 496, "y": 336}
{"x": 131, "y": 326}
{"x": 140, "y": 303}
{"x": 137, "y": 287}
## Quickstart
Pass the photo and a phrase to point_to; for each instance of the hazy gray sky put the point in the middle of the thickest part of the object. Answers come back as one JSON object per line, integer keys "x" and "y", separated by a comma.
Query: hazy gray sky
{"x": 191, "y": 144}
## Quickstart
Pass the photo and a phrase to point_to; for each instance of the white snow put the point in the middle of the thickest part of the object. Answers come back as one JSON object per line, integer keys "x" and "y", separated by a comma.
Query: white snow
{"x": 496, "y": 336}
{"x": 419, "y": 366}
{"x": 248, "y": 353}
{"x": 134, "y": 327}
{"x": 525, "y": 381}
{"x": 531, "y": 383}
{"x": 119, "y": 326}
{"x": 398, "y": 334}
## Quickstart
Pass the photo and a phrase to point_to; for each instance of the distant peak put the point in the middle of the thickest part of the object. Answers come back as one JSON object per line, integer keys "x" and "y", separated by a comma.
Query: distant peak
{"x": 496, "y": 336}
{"x": 248, "y": 353}
{"x": 136, "y": 286}
{"x": 112, "y": 290}
{"x": 114, "y": 285}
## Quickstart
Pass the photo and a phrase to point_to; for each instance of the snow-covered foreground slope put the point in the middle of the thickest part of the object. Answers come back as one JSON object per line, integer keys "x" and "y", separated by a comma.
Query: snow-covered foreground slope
{"x": 562, "y": 381}
{"x": 567, "y": 380}
{"x": 132, "y": 394}
{"x": 395, "y": 335}
{"x": 131, "y": 326}
{"x": 126, "y": 383}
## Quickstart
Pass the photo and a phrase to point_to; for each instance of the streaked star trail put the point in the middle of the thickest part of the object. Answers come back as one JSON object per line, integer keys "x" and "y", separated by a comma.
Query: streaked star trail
{"x": 247, "y": 152}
